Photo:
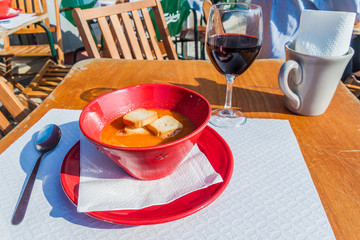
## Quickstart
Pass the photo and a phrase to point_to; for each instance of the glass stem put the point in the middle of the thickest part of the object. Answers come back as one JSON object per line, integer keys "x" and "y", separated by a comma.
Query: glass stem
{"x": 229, "y": 89}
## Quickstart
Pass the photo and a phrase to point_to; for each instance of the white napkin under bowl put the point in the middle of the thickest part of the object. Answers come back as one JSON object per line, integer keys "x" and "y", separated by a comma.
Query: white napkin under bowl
{"x": 105, "y": 186}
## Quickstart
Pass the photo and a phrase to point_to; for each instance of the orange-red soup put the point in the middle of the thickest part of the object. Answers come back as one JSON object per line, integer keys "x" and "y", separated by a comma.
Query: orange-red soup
{"x": 110, "y": 133}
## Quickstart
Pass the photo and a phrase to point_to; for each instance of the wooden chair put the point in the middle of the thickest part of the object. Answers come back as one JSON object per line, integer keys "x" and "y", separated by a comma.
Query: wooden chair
{"x": 51, "y": 74}
{"x": 197, "y": 33}
{"x": 12, "y": 110}
{"x": 206, "y": 8}
{"x": 194, "y": 34}
{"x": 40, "y": 50}
{"x": 46, "y": 80}
{"x": 352, "y": 82}
{"x": 127, "y": 30}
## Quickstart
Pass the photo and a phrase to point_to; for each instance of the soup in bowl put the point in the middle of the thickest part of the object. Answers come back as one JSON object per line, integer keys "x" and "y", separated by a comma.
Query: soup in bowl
{"x": 186, "y": 108}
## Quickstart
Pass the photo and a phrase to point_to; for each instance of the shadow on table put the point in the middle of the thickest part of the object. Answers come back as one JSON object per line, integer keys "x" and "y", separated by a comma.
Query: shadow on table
{"x": 245, "y": 99}
{"x": 93, "y": 93}
{"x": 251, "y": 100}
{"x": 49, "y": 173}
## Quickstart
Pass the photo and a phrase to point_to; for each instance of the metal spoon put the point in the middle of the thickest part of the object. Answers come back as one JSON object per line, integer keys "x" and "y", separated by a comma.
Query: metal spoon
{"x": 46, "y": 140}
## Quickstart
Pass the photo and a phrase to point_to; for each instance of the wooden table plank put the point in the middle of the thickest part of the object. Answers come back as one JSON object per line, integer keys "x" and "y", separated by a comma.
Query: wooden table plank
{"x": 330, "y": 143}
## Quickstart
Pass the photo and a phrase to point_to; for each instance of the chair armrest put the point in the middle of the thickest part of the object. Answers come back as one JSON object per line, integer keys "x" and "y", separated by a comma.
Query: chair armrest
{"x": 6, "y": 55}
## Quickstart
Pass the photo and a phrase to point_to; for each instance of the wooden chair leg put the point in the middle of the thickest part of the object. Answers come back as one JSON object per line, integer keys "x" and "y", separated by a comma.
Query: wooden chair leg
{"x": 28, "y": 103}
{"x": 9, "y": 76}
{"x": 15, "y": 110}
{"x": 12, "y": 104}
{"x": 353, "y": 84}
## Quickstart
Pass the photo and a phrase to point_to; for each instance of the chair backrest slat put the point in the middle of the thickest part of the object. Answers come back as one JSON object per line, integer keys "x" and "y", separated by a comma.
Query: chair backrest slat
{"x": 18, "y": 4}
{"x": 139, "y": 28}
{"x": 36, "y": 5}
{"x": 109, "y": 40}
{"x": 163, "y": 30}
{"x": 152, "y": 34}
{"x": 93, "y": 13}
{"x": 86, "y": 34}
{"x": 45, "y": 9}
{"x": 206, "y": 8}
{"x": 118, "y": 32}
{"x": 29, "y": 6}
{"x": 129, "y": 31}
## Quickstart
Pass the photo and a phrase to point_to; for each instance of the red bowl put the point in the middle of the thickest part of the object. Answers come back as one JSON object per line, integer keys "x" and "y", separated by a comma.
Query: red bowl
{"x": 154, "y": 162}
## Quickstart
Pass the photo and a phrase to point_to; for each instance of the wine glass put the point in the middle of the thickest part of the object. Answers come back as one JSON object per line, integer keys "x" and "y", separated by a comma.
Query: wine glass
{"x": 233, "y": 41}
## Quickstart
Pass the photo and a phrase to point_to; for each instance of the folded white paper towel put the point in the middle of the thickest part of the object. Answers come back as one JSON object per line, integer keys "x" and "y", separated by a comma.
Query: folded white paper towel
{"x": 325, "y": 33}
{"x": 105, "y": 186}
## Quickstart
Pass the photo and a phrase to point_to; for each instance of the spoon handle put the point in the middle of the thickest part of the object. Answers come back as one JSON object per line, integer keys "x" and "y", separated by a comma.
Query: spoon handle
{"x": 24, "y": 198}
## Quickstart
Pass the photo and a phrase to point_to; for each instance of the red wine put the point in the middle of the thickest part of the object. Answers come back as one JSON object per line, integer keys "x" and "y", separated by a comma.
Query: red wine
{"x": 232, "y": 53}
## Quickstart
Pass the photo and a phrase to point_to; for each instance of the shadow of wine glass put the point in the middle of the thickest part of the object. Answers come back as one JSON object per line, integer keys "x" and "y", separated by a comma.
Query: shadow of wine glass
{"x": 93, "y": 93}
{"x": 245, "y": 99}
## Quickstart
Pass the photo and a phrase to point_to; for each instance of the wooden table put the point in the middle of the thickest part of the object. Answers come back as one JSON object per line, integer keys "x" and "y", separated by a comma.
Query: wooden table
{"x": 330, "y": 143}
{"x": 39, "y": 17}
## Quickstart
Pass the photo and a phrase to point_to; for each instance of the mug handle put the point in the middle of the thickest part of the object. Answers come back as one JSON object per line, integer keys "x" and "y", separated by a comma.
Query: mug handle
{"x": 283, "y": 79}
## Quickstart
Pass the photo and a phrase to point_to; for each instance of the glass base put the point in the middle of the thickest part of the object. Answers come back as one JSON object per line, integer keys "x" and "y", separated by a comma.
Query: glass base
{"x": 227, "y": 118}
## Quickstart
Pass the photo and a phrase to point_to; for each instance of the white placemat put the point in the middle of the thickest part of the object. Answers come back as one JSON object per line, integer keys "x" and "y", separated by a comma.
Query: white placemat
{"x": 270, "y": 196}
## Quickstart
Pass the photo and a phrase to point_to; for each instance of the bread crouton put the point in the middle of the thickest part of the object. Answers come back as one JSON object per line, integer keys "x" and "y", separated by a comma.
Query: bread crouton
{"x": 127, "y": 131}
{"x": 136, "y": 130}
{"x": 166, "y": 126}
{"x": 139, "y": 117}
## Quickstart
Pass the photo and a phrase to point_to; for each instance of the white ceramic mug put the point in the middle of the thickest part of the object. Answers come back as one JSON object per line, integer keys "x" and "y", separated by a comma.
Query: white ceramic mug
{"x": 309, "y": 82}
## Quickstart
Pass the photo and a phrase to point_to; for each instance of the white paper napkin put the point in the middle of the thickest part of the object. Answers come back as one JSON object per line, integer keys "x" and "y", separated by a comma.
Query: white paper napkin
{"x": 106, "y": 186}
{"x": 16, "y": 21}
{"x": 325, "y": 33}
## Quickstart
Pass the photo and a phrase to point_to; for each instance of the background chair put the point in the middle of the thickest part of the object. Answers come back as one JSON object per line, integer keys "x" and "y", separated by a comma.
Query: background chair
{"x": 198, "y": 32}
{"x": 39, "y": 50}
{"x": 352, "y": 82}
{"x": 53, "y": 71}
{"x": 46, "y": 80}
{"x": 194, "y": 34}
{"x": 66, "y": 7}
{"x": 206, "y": 8}
{"x": 127, "y": 30}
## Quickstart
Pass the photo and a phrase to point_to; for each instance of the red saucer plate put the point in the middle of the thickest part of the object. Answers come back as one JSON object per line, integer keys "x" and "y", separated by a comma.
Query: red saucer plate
{"x": 11, "y": 14}
{"x": 210, "y": 143}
